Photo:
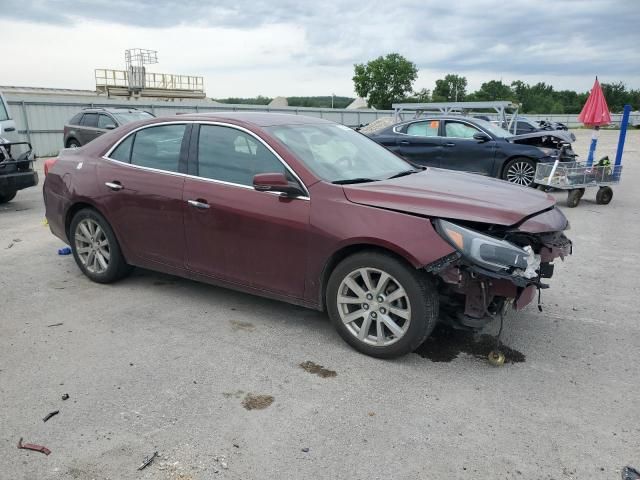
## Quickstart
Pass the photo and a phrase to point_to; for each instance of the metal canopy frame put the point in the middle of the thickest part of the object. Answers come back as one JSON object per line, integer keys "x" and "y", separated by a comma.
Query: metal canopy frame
{"x": 502, "y": 108}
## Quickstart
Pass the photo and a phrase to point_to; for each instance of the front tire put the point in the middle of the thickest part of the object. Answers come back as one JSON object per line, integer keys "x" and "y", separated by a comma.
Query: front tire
{"x": 95, "y": 247}
{"x": 381, "y": 306}
{"x": 521, "y": 171}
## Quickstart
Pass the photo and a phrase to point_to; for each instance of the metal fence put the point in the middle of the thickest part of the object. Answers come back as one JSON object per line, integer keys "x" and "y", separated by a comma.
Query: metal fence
{"x": 41, "y": 120}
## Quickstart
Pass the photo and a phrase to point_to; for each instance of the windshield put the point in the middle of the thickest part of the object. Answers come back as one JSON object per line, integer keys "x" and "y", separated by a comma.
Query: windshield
{"x": 128, "y": 117}
{"x": 493, "y": 129}
{"x": 336, "y": 153}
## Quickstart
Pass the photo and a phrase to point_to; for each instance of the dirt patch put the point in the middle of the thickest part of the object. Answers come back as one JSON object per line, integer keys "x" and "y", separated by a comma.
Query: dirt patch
{"x": 245, "y": 326}
{"x": 256, "y": 402}
{"x": 446, "y": 344}
{"x": 316, "y": 369}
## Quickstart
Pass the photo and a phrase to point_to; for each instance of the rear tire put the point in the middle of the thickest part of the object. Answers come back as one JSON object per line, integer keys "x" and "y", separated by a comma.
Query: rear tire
{"x": 7, "y": 196}
{"x": 381, "y": 306}
{"x": 521, "y": 171}
{"x": 95, "y": 247}
{"x": 73, "y": 143}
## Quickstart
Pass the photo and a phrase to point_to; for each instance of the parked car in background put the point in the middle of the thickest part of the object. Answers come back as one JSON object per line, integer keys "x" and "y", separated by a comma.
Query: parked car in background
{"x": 525, "y": 125}
{"x": 309, "y": 212}
{"x": 16, "y": 168}
{"x": 93, "y": 122}
{"x": 7, "y": 124}
{"x": 472, "y": 145}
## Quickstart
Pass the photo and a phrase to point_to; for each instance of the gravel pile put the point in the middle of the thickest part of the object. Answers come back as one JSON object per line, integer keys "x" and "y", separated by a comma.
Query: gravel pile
{"x": 378, "y": 124}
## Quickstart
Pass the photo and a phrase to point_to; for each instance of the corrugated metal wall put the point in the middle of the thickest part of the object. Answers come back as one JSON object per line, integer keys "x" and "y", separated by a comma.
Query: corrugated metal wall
{"x": 40, "y": 118}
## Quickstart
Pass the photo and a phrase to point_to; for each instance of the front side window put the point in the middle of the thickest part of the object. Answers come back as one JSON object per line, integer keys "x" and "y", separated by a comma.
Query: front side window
{"x": 104, "y": 121}
{"x": 428, "y": 128}
{"x": 157, "y": 147}
{"x": 131, "y": 116}
{"x": 230, "y": 155}
{"x": 460, "y": 130}
{"x": 90, "y": 120}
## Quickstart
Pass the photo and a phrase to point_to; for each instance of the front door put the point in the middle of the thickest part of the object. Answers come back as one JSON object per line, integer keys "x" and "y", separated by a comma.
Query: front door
{"x": 233, "y": 232}
{"x": 142, "y": 193}
{"x": 463, "y": 152}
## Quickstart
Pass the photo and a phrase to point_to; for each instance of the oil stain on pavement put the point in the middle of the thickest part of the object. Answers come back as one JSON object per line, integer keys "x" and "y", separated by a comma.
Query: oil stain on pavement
{"x": 316, "y": 369}
{"x": 446, "y": 344}
{"x": 256, "y": 402}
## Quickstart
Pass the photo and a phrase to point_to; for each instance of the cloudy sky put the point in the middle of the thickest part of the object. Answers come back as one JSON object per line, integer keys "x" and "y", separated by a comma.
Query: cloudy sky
{"x": 301, "y": 47}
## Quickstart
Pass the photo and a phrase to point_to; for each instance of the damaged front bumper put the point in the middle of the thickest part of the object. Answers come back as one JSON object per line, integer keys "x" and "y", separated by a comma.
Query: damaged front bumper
{"x": 473, "y": 290}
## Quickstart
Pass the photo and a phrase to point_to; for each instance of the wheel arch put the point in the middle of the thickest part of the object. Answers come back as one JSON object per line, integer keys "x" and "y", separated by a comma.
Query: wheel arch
{"x": 351, "y": 249}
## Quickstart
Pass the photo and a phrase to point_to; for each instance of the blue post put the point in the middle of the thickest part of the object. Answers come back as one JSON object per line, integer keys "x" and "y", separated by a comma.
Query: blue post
{"x": 623, "y": 133}
{"x": 592, "y": 147}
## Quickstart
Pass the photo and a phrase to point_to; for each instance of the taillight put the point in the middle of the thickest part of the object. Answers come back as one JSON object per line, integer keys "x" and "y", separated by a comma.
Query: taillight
{"x": 48, "y": 163}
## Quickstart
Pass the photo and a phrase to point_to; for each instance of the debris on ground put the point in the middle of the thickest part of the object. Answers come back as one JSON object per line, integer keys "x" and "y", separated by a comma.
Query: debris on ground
{"x": 378, "y": 124}
{"x": 305, "y": 449}
{"x": 65, "y": 396}
{"x": 630, "y": 473}
{"x": 256, "y": 402}
{"x": 49, "y": 415}
{"x": 316, "y": 369}
{"x": 55, "y": 324}
{"x": 33, "y": 446}
{"x": 9, "y": 246}
{"x": 64, "y": 251}
{"x": 147, "y": 461}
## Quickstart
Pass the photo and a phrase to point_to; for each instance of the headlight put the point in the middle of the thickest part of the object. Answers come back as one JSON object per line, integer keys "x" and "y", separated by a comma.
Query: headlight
{"x": 488, "y": 252}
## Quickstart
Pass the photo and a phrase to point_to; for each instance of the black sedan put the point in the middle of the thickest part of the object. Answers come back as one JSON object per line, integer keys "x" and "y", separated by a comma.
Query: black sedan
{"x": 473, "y": 145}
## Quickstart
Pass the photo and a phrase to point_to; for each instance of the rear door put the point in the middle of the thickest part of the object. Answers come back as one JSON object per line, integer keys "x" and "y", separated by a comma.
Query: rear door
{"x": 142, "y": 186}
{"x": 236, "y": 233}
{"x": 88, "y": 129}
{"x": 463, "y": 152}
{"x": 420, "y": 143}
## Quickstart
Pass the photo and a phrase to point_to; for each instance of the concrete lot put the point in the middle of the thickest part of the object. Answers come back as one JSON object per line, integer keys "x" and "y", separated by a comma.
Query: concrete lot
{"x": 159, "y": 363}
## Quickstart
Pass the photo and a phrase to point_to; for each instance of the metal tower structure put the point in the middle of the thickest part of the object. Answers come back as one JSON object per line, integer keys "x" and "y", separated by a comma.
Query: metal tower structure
{"x": 136, "y": 59}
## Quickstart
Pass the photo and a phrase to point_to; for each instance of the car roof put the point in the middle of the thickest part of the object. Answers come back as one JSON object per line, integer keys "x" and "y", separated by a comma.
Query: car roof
{"x": 110, "y": 109}
{"x": 260, "y": 119}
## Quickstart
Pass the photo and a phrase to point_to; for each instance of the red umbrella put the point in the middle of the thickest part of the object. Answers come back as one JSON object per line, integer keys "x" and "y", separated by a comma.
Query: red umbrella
{"x": 595, "y": 112}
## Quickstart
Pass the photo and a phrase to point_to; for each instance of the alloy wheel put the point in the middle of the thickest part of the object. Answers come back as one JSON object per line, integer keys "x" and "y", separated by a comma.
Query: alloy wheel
{"x": 92, "y": 246}
{"x": 374, "y": 306}
{"x": 521, "y": 173}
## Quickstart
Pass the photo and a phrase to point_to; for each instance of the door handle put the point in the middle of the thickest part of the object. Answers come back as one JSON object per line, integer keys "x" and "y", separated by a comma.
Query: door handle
{"x": 10, "y": 129}
{"x": 198, "y": 204}
{"x": 115, "y": 185}
{"x": 449, "y": 144}
{"x": 405, "y": 142}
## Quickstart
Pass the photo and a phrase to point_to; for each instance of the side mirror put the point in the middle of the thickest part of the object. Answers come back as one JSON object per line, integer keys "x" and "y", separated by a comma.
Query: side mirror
{"x": 481, "y": 137}
{"x": 111, "y": 126}
{"x": 276, "y": 182}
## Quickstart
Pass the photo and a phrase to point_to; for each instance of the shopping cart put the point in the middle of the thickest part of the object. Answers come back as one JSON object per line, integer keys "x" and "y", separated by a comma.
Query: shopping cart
{"x": 575, "y": 177}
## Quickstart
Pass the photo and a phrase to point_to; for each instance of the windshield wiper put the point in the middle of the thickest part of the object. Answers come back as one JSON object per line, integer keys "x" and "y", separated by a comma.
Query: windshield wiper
{"x": 402, "y": 174}
{"x": 347, "y": 181}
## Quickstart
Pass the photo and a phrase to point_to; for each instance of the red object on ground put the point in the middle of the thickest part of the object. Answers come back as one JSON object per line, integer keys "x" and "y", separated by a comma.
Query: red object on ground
{"x": 595, "y": 111}
{"x": 34, "y": 447}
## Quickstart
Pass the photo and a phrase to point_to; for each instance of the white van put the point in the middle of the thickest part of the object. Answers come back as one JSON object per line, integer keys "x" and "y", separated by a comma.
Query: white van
{"x": 7, "y": 124}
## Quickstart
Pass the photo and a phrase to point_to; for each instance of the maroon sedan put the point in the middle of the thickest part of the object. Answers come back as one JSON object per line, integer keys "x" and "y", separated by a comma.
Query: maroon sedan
{"x": 306, "y": 211}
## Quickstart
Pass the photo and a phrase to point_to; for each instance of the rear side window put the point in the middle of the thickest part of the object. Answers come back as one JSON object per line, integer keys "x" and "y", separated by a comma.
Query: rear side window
{"x": 232, "y": 156}
{"x": 90, "y": 120}
{"x": 427, "y": 128}
{"x": 105, "y": 120}
{"x": 158, "y": 147}
{"x": 76, "y": 119}
{"x": 123, "y": 151}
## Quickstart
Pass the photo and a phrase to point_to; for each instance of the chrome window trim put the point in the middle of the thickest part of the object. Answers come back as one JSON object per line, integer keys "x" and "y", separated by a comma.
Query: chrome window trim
{"x": 212, "y": 180}
{"x": 395, "y": 129}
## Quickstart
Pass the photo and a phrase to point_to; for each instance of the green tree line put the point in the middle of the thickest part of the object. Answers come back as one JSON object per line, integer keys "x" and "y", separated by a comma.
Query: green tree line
{"x": 315, "y": 102}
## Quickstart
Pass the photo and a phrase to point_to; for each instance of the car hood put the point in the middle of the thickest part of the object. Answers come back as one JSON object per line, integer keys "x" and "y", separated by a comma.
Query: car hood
{"x": 559, "y": 134}
{"x": 439, "y": 193}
